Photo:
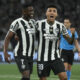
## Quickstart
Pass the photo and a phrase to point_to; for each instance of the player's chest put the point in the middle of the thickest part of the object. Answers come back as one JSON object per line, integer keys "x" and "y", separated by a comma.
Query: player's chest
{"x": 28, "y": 28}
{"x": 50, "y": 32}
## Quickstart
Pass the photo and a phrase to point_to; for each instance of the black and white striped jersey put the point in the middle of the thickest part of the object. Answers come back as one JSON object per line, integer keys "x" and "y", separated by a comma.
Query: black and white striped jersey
{"x": 48, "y": 37}
{"x": 25, "y": 30}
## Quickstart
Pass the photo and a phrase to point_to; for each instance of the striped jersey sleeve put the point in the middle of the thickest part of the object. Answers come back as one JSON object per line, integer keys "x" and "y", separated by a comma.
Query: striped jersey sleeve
{"x": 14, "y": 26}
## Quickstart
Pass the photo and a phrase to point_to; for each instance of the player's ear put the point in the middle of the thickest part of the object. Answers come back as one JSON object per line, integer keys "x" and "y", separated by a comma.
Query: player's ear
{"x": 24, "y": 11}
{"x": 70, "y": 23}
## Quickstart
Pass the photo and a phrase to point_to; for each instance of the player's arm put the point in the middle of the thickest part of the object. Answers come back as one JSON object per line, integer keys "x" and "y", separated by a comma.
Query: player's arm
{"x": 69, "y": 39}
{"x": 77, "y": 46}
{"x": 6, "y": 44}
{"x": 13, "y": 28}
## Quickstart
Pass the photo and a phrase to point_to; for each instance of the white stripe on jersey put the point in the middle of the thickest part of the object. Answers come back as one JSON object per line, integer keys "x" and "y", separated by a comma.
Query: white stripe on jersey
{"x": 40, "y": 45}
{"x": 58, "y": 53}
{"x": 52, "y": 55}
{"x": 31, "y": 41}
{"x": 46, "y": 50}
{"x": 30, "y": 47}
{"x": 46, "y": 44}
{"x": 53, "y": 51}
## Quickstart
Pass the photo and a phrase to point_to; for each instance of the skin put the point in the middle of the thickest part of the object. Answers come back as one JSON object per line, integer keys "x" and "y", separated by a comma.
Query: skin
{"x": 27, "y": 14}
{"x": 51, "y": 15}
{"x": 67, "y": 24}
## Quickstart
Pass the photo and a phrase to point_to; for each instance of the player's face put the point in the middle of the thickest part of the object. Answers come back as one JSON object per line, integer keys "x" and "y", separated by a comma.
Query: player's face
{"x": 51, "y": 14}
{"x": 67, "y": 23}
{"x": 29, "y": 12}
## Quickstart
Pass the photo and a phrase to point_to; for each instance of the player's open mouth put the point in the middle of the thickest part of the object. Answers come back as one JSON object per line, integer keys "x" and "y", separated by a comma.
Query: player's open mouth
{"x": 51, "y": 16}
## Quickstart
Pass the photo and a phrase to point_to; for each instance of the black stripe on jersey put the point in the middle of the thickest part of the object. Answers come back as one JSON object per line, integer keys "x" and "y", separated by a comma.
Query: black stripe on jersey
{"x": 50, "y": 44}
{"x": 58, "y": 26}
{"x": 16, "y": 26}
{"x": 50, "y": 50}
{"x": 43, "y": 41}
{"x": 19, "y": 52}
{"x": 55, "y": 50}
{"x": 37, "y": 34}
{"x": 27, "y": 36}
{"x": 32, "y": 46}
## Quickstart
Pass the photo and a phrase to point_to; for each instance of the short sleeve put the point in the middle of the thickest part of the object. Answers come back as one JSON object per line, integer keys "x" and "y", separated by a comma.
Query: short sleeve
{"x": 76, "y": 35}
{"x": 14, "y": 27}
{"x": 64, "y": 30}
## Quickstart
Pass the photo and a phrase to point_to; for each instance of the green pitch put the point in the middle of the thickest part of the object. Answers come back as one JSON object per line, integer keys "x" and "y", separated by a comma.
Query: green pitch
{"x": 10, "y": 72}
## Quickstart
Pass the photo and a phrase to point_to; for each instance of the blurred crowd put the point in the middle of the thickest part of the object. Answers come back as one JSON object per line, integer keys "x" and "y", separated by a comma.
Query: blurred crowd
{"x": 11, "y": 9}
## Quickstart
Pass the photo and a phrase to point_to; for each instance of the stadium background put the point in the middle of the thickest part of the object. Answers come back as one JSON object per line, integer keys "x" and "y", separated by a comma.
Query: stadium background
{"x": 11, "y": 9}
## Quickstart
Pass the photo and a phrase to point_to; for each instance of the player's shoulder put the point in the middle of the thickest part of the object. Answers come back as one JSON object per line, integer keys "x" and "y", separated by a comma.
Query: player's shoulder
{"x": 33, "y": 20}
{"x": 15, "y": 21}
{"x": 58, "y": 22}
{"x": 41, "y": 21}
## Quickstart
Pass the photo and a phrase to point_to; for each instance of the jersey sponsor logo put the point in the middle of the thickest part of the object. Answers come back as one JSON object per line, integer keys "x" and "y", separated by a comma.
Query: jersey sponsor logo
{"x": 31, "y": 31}
{"x": 50, "y": 36}
{"x": 57, "y": 30}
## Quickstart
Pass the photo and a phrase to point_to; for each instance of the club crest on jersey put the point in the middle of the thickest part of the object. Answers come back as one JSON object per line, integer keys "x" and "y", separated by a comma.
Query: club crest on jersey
{"x": 56, "y": 30}
{"x": 51, "y": 30}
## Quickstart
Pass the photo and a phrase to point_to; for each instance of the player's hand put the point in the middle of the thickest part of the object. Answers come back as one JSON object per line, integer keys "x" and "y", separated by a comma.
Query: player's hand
{"x": 79, "y": 54}
{"x": 16, "y": 37}
{"x": 72, "y": 30}
{"x": 7, "y": 57}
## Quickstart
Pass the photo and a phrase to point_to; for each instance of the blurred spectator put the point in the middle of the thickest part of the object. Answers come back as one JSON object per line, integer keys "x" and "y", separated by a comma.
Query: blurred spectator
{"x": 10, "y": 10}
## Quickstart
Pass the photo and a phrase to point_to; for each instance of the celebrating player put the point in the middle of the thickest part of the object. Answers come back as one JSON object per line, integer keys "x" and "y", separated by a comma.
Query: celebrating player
{"x": 49, "y": 31}
{"x": 24, "y": 29}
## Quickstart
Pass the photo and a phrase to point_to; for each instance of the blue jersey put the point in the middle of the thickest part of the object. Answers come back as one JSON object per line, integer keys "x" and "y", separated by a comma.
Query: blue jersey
{"x": 64, "y": 44}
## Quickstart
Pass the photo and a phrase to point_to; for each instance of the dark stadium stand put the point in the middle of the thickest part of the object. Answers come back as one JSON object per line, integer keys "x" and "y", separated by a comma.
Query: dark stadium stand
{"x": 11, "y": 9}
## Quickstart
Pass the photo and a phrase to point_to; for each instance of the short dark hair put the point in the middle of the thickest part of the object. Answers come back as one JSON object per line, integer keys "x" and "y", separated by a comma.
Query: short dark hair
{"x": 52, "y": 6}
{"x": 68, "y": 18}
